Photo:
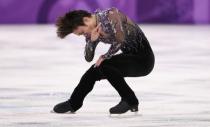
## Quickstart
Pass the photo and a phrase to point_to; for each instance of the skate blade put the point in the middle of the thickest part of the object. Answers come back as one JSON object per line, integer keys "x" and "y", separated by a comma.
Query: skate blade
{"x": 125, "y": 115}
{"x": 69, "y": 112}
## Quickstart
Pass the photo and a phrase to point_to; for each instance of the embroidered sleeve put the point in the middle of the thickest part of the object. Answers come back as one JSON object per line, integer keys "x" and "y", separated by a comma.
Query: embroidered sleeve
{"x": 90, "y": 49}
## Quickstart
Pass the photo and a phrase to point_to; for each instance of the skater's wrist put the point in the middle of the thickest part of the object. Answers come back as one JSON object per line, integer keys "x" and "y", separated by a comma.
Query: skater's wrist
{"x": 94, "y": 40}
{"x": 105, "y": 56}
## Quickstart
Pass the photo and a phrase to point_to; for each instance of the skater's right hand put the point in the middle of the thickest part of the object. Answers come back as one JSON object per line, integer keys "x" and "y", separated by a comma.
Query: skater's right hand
{"x": 96, "y": 32}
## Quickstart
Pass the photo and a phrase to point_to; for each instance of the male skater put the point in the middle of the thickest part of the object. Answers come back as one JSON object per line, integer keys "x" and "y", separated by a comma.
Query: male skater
{"x": 113, "y": 27}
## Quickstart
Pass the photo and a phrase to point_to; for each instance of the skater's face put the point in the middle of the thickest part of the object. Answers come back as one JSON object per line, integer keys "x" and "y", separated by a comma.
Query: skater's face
{"x": 87, "y": 28}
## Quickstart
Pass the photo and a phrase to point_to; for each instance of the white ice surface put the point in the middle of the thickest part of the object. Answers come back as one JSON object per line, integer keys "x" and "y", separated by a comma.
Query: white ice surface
{"x": 38, "y": 70}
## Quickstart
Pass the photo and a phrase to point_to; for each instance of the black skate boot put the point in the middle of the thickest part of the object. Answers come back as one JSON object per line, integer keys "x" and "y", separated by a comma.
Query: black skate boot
{"x": 123, "y": 107}
{"x": 63, "y": 107}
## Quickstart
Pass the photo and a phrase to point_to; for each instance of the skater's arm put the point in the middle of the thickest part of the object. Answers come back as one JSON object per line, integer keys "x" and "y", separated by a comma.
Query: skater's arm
{"x": 91, "y": 43}
{"x": 112, "y": 50}
{"x": 90, "y": 49}
{"x": 116, "y": 19}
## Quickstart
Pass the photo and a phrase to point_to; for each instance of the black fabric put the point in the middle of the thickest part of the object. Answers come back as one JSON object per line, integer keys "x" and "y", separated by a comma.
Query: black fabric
{"x": 114, "y": 70}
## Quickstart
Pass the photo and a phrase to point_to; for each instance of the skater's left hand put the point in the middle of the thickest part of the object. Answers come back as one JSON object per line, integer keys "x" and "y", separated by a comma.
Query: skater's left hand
{"x": 99, "y": 61}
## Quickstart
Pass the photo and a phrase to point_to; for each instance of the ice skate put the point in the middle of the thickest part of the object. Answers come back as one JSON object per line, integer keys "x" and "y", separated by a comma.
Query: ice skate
{"x": 123, "y": 107}
{"x": 63, "y": 107}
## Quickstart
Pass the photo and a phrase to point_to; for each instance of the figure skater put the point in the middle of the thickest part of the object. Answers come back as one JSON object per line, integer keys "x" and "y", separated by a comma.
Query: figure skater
{"x": 112, "y": 27}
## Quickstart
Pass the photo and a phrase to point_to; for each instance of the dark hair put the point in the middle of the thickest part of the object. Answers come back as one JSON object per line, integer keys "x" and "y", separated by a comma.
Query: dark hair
{"x": 70, "y": 21}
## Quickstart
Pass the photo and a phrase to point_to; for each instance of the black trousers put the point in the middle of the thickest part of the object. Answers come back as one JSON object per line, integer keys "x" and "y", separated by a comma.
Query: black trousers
{"x": 114, "y": 70}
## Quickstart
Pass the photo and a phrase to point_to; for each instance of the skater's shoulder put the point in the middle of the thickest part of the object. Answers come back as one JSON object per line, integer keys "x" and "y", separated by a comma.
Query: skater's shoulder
{"x": 113, "y": 9}
{"x": 107, "y": 10}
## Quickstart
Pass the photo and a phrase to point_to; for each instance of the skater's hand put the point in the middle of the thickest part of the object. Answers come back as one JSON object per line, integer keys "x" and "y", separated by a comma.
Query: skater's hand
{"x": 96, "y": 32}
{"x": 99, "y": 61}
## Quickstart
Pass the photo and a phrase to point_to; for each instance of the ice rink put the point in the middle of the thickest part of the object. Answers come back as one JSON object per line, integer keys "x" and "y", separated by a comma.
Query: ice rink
{"x": 39, "y": 70}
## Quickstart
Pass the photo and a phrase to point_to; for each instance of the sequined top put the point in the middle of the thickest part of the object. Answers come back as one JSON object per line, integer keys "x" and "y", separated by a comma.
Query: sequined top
{"x": 121, "y": 32}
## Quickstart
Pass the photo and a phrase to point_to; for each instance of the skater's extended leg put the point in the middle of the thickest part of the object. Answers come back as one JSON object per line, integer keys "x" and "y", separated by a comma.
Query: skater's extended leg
{"x": 85, "y": 85}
